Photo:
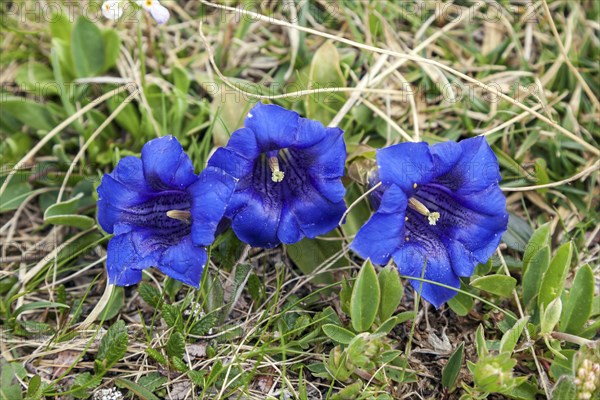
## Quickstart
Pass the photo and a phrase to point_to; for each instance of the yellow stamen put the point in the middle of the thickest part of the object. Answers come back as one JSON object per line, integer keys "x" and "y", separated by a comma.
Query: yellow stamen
{"x": 276, "y": 174}
{"x": 184, "y": 216}
{"x": 421, "y": 209}
{"x": 414, "y": 185}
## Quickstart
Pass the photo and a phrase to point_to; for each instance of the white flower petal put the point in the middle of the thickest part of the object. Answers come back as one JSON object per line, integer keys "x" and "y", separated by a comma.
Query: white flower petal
{"x": 112, "y": 9}
{"x": 159, "y": 12}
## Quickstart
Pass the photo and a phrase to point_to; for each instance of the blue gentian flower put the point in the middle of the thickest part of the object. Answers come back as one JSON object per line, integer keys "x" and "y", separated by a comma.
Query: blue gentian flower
{"x": 289, "y": 170}
{"x": 438, "y": 207}
{"x": 161, "y": 213}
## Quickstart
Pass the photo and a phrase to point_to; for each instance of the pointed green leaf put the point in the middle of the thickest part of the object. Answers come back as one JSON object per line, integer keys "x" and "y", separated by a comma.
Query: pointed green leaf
{"x": 532, "y": 278}
{"x": 452, "y": 369}
{"x": 511, "y": 337}
{"x": 500, "y": 285}
{"x": 87, "y": 48}
{"x": 365, "y": 298}
{"x": 391, "y": 291}
{"x": 338, "y": 334}
{"x": 579, "y": 304}
{"x": 539, "y": 240}
{"x": 551, "y": 316}
{"x": 553, "y": 281}
{"x": 65, "y": 213}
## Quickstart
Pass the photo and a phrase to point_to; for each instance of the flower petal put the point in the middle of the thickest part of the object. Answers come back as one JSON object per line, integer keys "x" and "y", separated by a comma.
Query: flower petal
{"x": 258, "y": 222}
{"x": 210, "y": 196}
{"x": 127, "y": 255}
{"x": 410, "y": 260}
{"x": 445, "y": 156}
{"x": 314, "y": 213}
{"x": 112, "y": 9}
{"x": 466, "y": 218}
{"x": 274, "y": 127}
{"x": 231, "y": 162}
{"x": 405, "y": 165}
{"x": 288, "y": 232}
{"x": 119, "y": 190}
{"x": 159, "y": 12}
{"x": 383, "y": 234}
{"x": 166, "y": 166}
{"x": 243, "y": 142}
{"x": 475, "y": 170}
{"x": 184, "y": 262}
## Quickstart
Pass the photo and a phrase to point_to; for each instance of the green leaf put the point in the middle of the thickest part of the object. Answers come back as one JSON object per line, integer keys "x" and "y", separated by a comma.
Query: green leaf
{"x": 152, "y": 381}
{"x": 553, "y": 281}
{"x": 83, "y": 384}
{"x": 170, "y": 314}
{"x": 65, "y": 213}
{"x": 138, "y": 390}
{"x": 565, "y": 389}
{"x": 112, "y": 48}
{"x": 538, "y": 241}
{"x": 338, "y": 334}
{"x": 325, "y": 72}
{"x": 462, "y": 303}
{"x": 387, "y": 326}
{"x": 452, "y": 369}
{"x": 176, "y": 345}
{"x": 365, "y": 298}
{"x": 60, "y": 26}
{"x": 36, "y": 305}
{"x": 15, "y": 193}
{"x": 10, "y": 389}
{"x": 34, "y": 390}
{"x": 308, "y": 254}
{"x": 511, "y": 337}
{"x": 391, "y": 292}
{"x": 30, "y": 113}
{"x": 115, "y": 303}
{"x": 156, "y": 356}
{"x": 150, "y": 294}
{"x": 579, "y": 304}
{"x": 482, "y": 349}
{"x": 551, "y": 316}
{"x": 500, "y": 285}
{"x": 532, "y": 278}
{"x": 113, "y": 347}
{"x": 87, "y": 48}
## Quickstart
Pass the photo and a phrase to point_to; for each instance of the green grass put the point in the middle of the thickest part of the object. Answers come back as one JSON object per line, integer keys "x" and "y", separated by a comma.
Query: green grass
{"x": 255, "y": 328}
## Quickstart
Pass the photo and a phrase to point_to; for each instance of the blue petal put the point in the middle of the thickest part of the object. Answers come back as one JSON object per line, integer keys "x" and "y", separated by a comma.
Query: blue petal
{"x": 275, "y": 127}
{"x": 445, "y": 156}
{"x": 243, "y": 142}
{"x": 288, "y": 232}
{"x": 210, "y": 196}
{"x": 383, "y": 234}
{"x": 410, "y": 260}
{"x": 127, "y": 255}
{"x": 324, "y": 159}
{"x": 475, "y": 170}
{"x": 166, "y": 166}
{"x": 231, "y": 162}
{"x": 477, "y": 221}
{"x": 258, "y": 222}
{"x": 119, "y": 190}
{"x": 184, "y": 262}
{"x": 314, "y": 213}
{"x": 405, "y": 165}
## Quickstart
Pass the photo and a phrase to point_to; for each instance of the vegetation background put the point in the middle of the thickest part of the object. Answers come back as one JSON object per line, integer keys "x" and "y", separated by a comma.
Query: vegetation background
{"x": 78, "y": 92}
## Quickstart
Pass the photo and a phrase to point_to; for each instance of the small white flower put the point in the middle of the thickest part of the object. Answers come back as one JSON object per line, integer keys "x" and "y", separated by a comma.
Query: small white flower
{"x": 157, "y": 10}
{"x": 112, "y": 9}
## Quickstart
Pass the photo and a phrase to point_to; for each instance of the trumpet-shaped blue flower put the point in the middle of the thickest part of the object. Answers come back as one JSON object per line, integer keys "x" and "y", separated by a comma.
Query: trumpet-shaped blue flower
{"x": 438, "y": 207}
{"x": 289, "y": 170}
{"x": 161, "y": 213}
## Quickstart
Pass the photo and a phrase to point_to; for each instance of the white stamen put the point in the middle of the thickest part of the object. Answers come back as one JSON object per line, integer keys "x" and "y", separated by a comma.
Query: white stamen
{"x": 419, "y": 207}
{"x": 276, "y": 174}
{"x": 180, "y": 215}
